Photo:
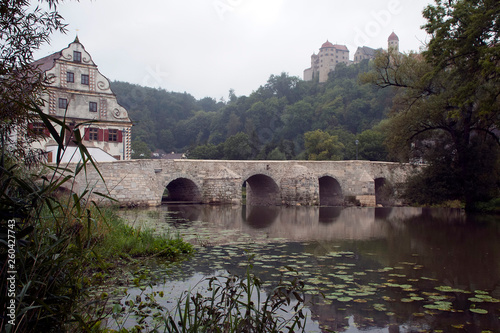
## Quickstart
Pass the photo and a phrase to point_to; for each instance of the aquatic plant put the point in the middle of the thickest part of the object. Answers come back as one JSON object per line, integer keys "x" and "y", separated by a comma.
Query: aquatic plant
{"x": 222, "y": 303}
{"x": 234, "y": 305}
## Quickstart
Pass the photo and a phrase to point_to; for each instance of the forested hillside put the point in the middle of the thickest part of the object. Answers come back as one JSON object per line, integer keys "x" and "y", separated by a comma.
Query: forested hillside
{"x": 286, "y": 118}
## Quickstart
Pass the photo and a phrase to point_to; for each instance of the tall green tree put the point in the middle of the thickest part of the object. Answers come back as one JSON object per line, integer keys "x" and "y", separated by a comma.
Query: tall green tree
{"x": 452, "y": 88}
{"x": 322, "y": 146}
{"x": 237, "y": 147}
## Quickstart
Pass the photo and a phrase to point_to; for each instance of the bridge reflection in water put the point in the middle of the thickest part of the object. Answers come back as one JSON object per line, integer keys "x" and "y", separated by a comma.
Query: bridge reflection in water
{"x": 293, "y": 223}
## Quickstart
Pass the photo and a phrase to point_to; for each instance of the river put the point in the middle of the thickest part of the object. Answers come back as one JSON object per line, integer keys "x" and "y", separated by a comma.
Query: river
{"x": 366, "y": 269}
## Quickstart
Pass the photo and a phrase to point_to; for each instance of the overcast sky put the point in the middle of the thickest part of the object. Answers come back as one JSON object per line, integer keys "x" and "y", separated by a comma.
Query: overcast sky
{"x": 206, "y": 47}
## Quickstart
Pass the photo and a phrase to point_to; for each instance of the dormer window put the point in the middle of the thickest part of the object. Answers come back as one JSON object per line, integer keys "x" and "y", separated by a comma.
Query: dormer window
{"x": 77, "y": 56}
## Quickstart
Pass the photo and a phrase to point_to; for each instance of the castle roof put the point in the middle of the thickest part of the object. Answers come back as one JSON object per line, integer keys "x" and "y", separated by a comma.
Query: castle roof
{"x": 341, "y": 47}
{"x": 367, "y": 50}
{"x": 326, "y": 44}
{"x": 393, "y": 36}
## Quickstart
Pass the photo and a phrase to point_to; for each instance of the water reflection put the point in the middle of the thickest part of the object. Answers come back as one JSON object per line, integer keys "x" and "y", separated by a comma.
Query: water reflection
{"x": 259, "y": 217}
{"x": 380, "y": 269}
{"x": 329, "y": 214}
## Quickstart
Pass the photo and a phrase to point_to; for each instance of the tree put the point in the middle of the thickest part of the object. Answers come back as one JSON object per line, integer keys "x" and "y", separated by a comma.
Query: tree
{"x": 23, "y": 29}
{"x": 237, "y": 147}
{"x": 322, "y": 146}
{"x": 207, "y": 152}
{"x": 140, "y": 150}
{"x": 276, "y": 154}
{"x": 297, "y": 119}
{"x": 371, "y": 145}
{"x": 282, "y": 86}
{"x": 452, "y": 88}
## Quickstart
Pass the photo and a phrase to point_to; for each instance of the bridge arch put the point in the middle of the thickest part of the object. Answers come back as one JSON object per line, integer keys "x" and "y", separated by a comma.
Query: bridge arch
{"x": 182, "y": 189}
{"x": 330, "y": 192}
{"x": 262, "y": 190}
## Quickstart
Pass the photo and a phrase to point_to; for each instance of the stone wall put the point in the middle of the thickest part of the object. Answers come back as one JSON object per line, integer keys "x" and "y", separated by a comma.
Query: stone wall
{"x": 142, "y": 182}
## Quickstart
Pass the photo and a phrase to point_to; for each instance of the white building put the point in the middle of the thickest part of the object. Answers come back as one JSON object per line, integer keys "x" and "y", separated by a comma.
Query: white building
{"x": 79, "y": 92}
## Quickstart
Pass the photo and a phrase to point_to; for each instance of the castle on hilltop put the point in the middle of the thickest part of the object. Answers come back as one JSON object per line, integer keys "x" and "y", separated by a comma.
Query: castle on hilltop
{"x": 332, "y": 54}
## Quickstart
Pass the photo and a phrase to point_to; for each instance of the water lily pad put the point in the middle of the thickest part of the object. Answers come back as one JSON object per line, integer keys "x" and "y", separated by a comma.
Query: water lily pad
{"x": 440, "y": 305}
{"x": 379, "y": 307}
{"x": 480, "y": 311}
{"x": 448, "y": 289}
{"x": 407, "y": 300}
{"x": 476, "y": 300}
{"x": 345, "y": 299}
{"x": 428, "y": 278}
{"x": 360, "y": 300}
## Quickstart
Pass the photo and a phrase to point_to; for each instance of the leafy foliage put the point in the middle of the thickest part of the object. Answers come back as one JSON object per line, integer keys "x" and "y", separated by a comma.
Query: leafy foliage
{"x": 449, "y": 97}
{"x": 322, "y": 146}
{"x": 275, "y": 116}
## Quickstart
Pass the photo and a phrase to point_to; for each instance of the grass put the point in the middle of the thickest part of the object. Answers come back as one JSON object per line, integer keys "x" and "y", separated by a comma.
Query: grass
{"x": 124, "y": 240}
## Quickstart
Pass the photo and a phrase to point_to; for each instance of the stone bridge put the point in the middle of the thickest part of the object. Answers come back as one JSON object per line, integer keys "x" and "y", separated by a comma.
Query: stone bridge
{"x": 325, "y": 183}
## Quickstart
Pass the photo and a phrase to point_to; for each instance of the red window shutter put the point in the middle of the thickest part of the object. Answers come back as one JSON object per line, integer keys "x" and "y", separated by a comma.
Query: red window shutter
{"x": 46, "y": 131}
{"x": 119, "y": 136}
{"x": 106, "y": 135}
{"x": 30, "y": 129}
{"x": 100, "y": 135}
{"x": 86, "y": 135}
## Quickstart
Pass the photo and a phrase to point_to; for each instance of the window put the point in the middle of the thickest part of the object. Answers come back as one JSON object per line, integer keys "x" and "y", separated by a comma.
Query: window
{"x": 38, "y": 128}
{"x": 85, "y": 79}
{"x": 70, "y": 77}
{"x": 77, "y": 56}
{"x": 113, "y": 135}
{"x": 93, "y": 134}
{"x": 93, "y": 106}
{"x": 63, "y": 103}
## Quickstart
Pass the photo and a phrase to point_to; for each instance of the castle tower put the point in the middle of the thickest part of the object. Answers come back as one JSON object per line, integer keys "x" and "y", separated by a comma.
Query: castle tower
{"x": 393, "y": 42}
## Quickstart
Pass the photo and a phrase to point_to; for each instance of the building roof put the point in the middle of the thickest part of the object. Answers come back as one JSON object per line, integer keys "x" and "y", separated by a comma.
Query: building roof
{"x": 327, "y": 44}
{"x": 46, "y": 63}
{"x": 367, "y": 50}
{"x": 341, "y": 47}
{"x": 393, "y": 36}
